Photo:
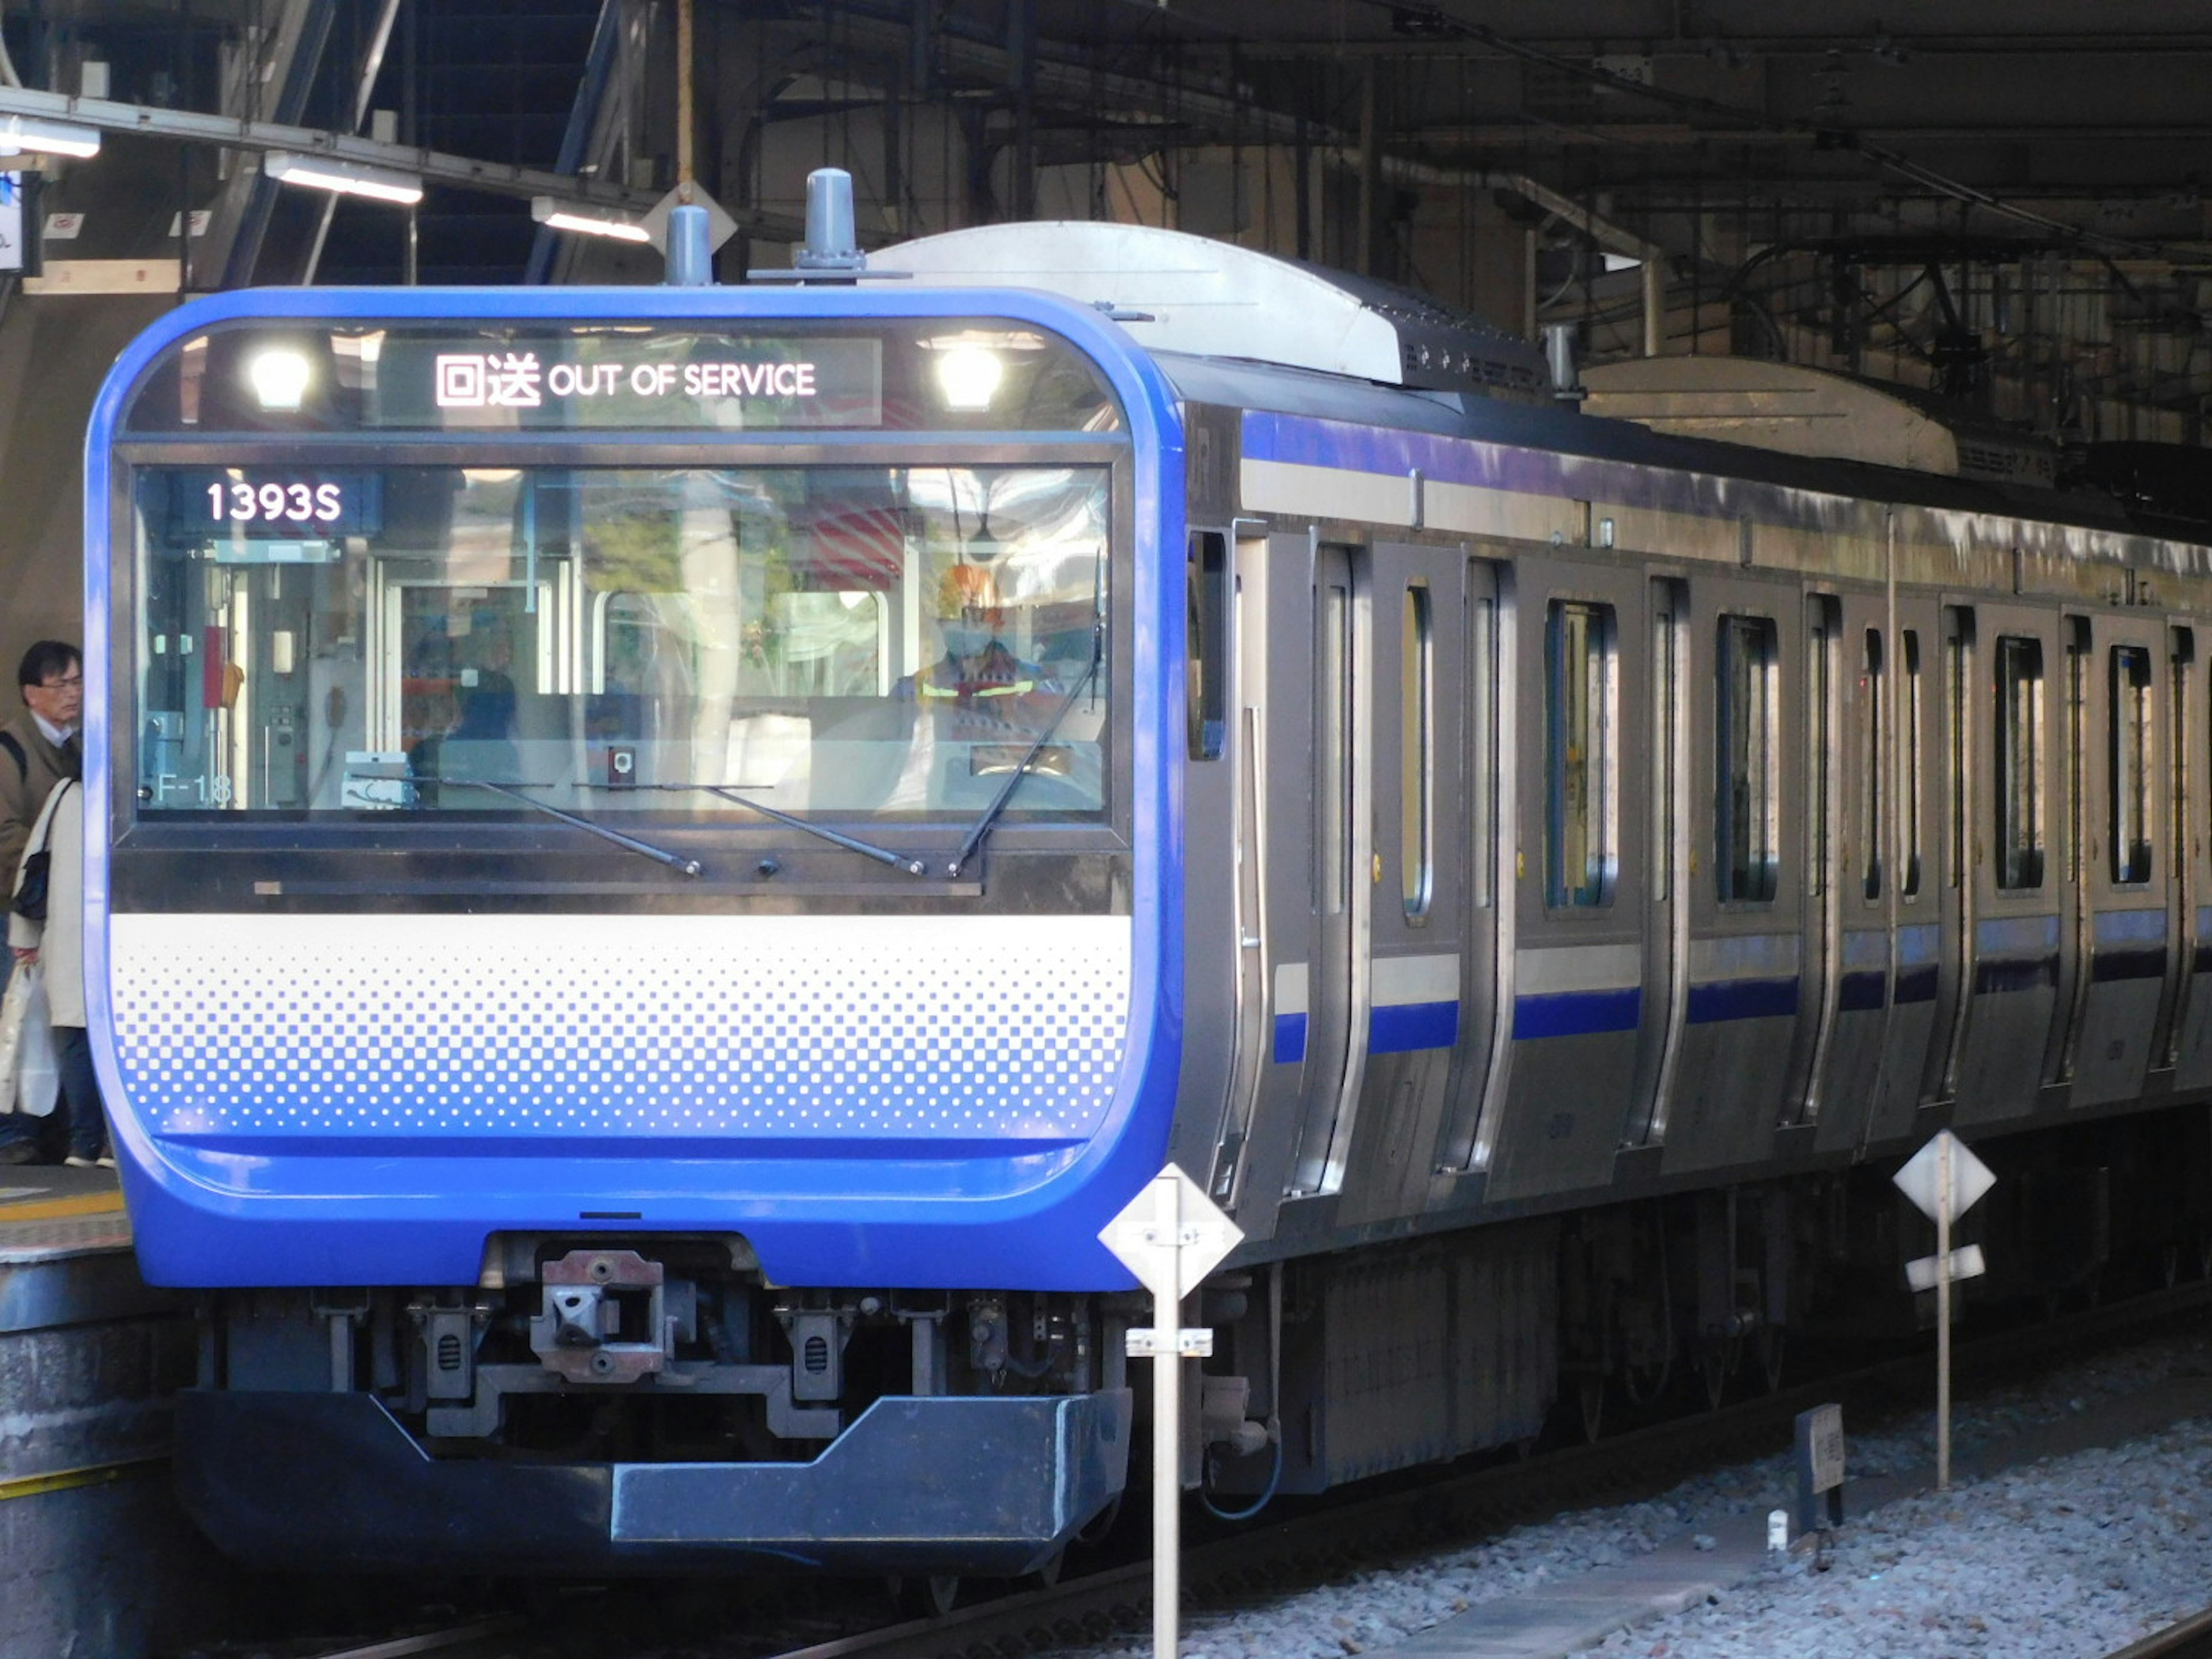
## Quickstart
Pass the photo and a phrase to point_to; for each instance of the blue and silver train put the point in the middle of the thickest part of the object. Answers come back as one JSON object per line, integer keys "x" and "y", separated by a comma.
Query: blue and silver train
{"x": 672, "y": 856}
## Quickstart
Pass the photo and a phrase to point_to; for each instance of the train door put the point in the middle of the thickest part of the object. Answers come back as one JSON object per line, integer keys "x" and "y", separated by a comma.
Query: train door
{"x": 464, "y": 664}
{"x": 2016, "y": 878}
{"x": 2125, "y": 875}
{"x": 1861, "y": 773}
{"x": 1577, "y": 952}
{"x": 1905, "y": 799}
{"x": 1277, "y": 919}
{"x": 1478, "y": 835}
{"x": 1338, "y": 872}
{"x": 1819, "y": 726}
{"x": 1953, "y": 754}
{"x": 1665, "y": 914}
{"x": 245, "y": 740}
{"x": 2183, "y": 882}
{"x": 1746, "y": 959}
{"x": 2192, "y": 769}
{"x": 1416, "y": 874}
{"x": 2076, "y": 748}
{"x": 1220, "y": 1003}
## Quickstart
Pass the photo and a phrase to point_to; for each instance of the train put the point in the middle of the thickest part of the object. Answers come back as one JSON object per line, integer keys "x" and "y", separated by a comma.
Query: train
{"x": 671, "y": 857}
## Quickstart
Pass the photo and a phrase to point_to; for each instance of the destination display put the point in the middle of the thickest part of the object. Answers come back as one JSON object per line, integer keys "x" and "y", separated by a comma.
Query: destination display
{"x": 480, "y": 376}
{"x": 630, "y": 379}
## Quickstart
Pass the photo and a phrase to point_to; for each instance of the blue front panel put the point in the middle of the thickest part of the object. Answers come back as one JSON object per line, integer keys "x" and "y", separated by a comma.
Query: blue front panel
{"x": 356, "y": 1099}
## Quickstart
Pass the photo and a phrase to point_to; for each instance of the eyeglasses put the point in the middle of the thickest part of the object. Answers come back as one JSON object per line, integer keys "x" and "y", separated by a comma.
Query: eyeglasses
{"x": 68, "y": 682}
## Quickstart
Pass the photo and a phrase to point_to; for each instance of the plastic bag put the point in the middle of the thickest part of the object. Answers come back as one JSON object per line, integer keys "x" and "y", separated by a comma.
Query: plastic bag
{"x": 12, "y": 1008}
{"x": 38, "y": 1065}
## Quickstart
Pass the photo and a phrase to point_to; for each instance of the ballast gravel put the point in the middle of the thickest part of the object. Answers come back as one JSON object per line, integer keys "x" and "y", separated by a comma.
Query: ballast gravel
{"x": 2072, "y": 1557}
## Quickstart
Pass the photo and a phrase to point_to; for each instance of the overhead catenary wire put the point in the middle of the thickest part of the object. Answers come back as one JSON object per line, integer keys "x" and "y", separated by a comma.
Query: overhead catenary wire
{"x": 1825, "y": 136}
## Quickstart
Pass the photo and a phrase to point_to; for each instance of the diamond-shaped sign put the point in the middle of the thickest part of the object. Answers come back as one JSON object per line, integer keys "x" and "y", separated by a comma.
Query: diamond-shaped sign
{"x": 720, "y": 225}
{"x": 1921, "y": 1180}
{"x": 1170, "y": 1236}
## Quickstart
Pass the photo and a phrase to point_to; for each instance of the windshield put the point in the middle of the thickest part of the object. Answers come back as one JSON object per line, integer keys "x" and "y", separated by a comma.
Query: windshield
{"x": 841, "y": 641}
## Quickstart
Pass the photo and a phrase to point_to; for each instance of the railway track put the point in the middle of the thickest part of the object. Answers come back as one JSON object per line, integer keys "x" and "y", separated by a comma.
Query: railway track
{"x": 1338, "y": 1538}
{"x": 2189, "y": 1639}
{"x": 1330, "y": 1537}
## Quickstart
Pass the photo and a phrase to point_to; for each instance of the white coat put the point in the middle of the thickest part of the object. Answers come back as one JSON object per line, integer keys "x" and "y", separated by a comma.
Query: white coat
{"x": 60, "y": 942}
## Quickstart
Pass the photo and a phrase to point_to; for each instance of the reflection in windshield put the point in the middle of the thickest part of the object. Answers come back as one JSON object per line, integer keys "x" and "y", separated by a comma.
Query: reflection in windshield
{"x": 828, "y": 640}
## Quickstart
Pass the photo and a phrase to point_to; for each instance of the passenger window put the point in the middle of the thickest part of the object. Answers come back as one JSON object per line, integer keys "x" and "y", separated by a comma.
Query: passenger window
{"x": 2019, "y": 762}
{"x": 1748, "y": 859}
{"x": 1579, "y": 764}
{"x": 1207, "y": 683}
{"x": 2130, "y": 764}
{"x": 1416, "y": 754}
{"x": 1872, "y": 735}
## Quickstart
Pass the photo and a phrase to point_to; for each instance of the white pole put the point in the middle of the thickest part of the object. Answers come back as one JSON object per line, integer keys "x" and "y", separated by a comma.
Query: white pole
{"x": 1943, "y": 1314}
{"x": 1170, "y": 1236}
{"x": 1167, "y": 1431}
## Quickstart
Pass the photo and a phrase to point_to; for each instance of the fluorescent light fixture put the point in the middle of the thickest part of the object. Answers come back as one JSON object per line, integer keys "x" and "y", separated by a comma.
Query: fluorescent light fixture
{"x": 586, "y": 222}
{"x": 969, "y": 377}
{"x": 346, "y": 177}
{"x": 21, "y": 132}
{"x": 280, "y": 377}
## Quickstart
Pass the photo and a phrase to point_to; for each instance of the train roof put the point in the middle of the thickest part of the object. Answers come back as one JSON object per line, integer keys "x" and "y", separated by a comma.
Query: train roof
{"x": 1238, "y": 328}
{"x": 1174, "y": 292}
{"x": 1798, "y": 411}
{"x": 1283, "y": 391}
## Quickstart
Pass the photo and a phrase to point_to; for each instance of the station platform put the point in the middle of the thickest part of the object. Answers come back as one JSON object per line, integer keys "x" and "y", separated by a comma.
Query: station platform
{"x": 50, "y": 1212}
{"x": 102, "y": 1563}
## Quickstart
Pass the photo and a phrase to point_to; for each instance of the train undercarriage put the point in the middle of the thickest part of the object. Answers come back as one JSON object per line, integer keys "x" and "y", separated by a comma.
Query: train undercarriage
{"x": 651, "y": 1402}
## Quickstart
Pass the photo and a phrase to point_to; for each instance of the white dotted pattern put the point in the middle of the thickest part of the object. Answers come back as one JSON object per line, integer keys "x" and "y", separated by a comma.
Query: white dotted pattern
{"x": 859, "y": 1027}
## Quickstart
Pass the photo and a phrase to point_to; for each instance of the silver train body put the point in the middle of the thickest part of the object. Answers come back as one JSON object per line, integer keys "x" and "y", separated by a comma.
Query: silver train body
{"x": 1606, "y": 854}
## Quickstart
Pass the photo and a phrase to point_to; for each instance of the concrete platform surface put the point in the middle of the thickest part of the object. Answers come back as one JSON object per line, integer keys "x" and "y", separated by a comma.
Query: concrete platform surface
{"x": 1568, "y": 1615}
{"x": 49, "y": 1211}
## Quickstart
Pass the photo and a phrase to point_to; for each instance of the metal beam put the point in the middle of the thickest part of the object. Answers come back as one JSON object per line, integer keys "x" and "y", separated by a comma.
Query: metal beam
{"x": 433, "y": 167}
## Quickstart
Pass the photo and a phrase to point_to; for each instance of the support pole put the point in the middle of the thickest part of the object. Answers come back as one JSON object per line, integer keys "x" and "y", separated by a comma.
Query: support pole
{"x": 1167, "y": 1476}
{"x": 1171, "y": 1236}
{"x": 685, "y": 177}
{"x": 1943, "y": 1316}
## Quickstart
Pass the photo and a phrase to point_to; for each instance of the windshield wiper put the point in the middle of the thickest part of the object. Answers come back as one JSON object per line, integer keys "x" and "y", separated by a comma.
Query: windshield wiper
{"x": 729, "y": 791}
{"x": 682, "y": 866}
{"x": 974, "y": 839}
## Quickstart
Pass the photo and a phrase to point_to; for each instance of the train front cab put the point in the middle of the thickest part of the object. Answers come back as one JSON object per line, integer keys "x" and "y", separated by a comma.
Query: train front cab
{"x": 631, "y": 921}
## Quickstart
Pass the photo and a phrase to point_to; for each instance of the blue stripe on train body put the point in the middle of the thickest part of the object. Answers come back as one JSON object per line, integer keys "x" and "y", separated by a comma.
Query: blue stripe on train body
{"x": 1860, "y": 990}
{"x": 2013, "y": 954}
{"x": 1405, "y": 1027}
{"x": 1741, "y": 998}
{"x": 1576, "y": 1013}
{"x": 1742, "y": 976}
{"x": 2128, "y": 944}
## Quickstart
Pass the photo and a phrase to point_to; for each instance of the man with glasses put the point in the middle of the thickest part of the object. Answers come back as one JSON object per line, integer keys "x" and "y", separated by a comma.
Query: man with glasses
{"x": 37, "y": 749}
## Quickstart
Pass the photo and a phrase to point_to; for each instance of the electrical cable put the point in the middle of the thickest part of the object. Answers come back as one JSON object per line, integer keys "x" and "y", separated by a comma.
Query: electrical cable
{"x": 1267, "y": 1493}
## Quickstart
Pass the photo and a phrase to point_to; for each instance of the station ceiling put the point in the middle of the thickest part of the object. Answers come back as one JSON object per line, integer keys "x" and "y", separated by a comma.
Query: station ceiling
{"x": 2005, "y": 202}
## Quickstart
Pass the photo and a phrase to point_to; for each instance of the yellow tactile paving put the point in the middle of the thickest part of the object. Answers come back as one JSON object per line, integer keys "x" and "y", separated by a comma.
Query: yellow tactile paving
{"x": 45, "y": 1208}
